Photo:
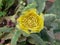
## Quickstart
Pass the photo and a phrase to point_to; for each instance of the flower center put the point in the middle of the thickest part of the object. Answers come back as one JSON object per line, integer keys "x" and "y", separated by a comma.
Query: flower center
{"x": 30, "y": 21}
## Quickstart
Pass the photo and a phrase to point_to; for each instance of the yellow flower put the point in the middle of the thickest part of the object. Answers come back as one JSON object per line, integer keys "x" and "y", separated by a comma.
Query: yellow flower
{"x": 30, "y": 21}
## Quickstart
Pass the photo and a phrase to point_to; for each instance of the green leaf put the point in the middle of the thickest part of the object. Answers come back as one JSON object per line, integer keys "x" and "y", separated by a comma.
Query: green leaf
{"x": 40, "y": 5}
{"x": 15, "y": 37}
{"x": 22, "y": 32}
{"x": 29, "y": 6}
{"x": 51, "y": 35}
{"x": 2, "y": 13}
{"x": 44, "y": 35}
{"x": 56, "y": 26}
{"x": 49, "y": 19}
{"x": 55, "y": 9}
{"x": 30, "y": 1}
{"x": 58, "y": 22}
{"x": 9, "y": 3}
{"x": 38, "y": 39}
{"x": 57, "y": 42}
{"x": 1, "y": 4}
{"x": 57, "y": 30}
{"x": 22, "y": 43}
{"x": 5, "y": 29}
{"x": 32, "y": 41}
{"x": 1, "y": 34}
